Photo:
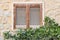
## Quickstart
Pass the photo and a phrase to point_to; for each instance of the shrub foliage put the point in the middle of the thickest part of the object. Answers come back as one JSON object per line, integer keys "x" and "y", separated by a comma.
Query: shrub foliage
{"x": 49, "y": 31}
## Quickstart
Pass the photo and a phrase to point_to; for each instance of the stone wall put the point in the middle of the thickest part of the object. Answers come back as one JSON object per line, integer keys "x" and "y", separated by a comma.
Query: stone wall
{"x": 51, "y": 9}
{"x": 6, "y": 20}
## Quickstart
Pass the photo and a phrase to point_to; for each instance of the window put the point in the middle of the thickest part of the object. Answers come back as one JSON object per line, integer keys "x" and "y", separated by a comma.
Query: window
{"x": 26, "y": 15}
{"x": 20, "y": 17}
{"x": 34, "y": 17}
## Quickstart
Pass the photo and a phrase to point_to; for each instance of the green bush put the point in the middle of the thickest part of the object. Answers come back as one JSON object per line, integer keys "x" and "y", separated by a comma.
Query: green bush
{"x": 50, "y": 31}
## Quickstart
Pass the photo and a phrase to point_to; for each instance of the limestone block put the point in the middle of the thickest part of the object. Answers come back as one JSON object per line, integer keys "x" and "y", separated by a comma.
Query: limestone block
{"x": 1, "y": 19}
{"x": 5, "y": 19}
{"x": 7, "y": 26}
{"x": 4, "y": 1}
{"x": 0, "y": 5}
{"x": 7, "y": 13}
{"x": 27, "y": 0}
{"x": 1, "y": 12}
{"x": 1, "y": 23}
{"x": 19, "y": 0}
{"x": 10, "y": 20}
{"x": 1, "y": 26}
{"x": 36, "y": 0}
{"x": 5, "y": 7}
{"x": 56, "y": 1}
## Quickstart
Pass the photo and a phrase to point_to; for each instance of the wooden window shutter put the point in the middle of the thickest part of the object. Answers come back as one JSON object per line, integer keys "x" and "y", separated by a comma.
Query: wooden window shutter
{"x": 41, "y": 17}
{"x": 27, "y": 15}
{"x": 14, "y": 17}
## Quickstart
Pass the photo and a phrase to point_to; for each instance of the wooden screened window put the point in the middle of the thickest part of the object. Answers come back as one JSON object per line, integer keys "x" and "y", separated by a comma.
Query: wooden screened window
{"x": 27, "y": 14}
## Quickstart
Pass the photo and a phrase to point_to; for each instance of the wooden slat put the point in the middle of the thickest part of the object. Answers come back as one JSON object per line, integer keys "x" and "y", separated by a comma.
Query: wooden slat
{"x": 34, "y": 5}
{"x": 21, "y": 5}
{"x": 27, "y": 16}
{"x": 24, "y": 5}
{"x": 41, "y": 17}
{"x": 14, "y": 17}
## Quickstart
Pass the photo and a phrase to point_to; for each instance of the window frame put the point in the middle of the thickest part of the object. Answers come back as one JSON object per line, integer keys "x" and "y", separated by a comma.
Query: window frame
{"x": 28, "y": 6}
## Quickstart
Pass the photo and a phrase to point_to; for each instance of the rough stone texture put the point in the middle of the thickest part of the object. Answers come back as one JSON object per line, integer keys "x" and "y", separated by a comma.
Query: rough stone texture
{"x": 51, "y": 9}
{"x": 5, "y": 15}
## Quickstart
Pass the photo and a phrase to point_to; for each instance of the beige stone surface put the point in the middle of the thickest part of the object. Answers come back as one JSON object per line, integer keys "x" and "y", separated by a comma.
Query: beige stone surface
{"x": 27, "y": 0}
{"x": 52, "y": 9}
